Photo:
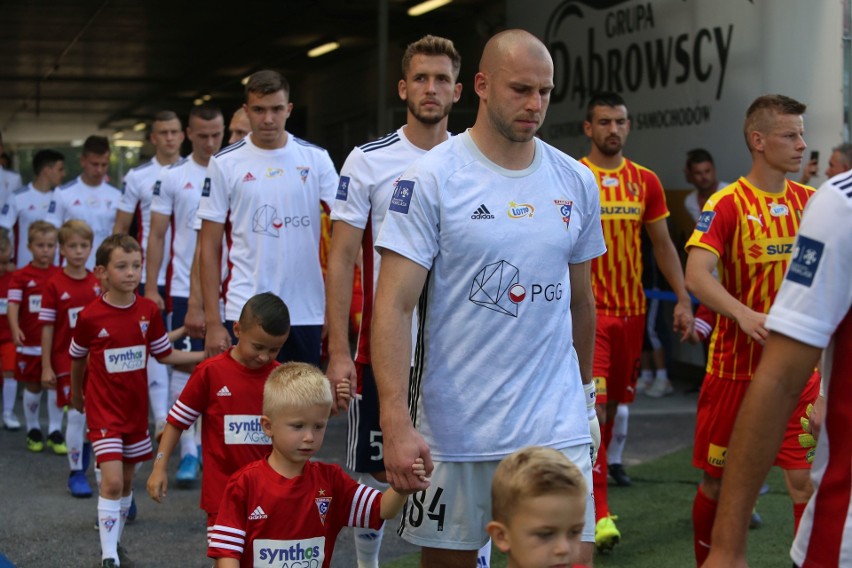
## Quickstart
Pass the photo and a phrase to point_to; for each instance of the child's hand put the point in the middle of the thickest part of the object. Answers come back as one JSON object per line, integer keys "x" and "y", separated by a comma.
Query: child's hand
{"x": 344, "y": 391}
{"x": 158, "y": 484}
{"x": 48, "y": 379}
{"x": 19, "y": 338}
{"x": 419, "y": 469}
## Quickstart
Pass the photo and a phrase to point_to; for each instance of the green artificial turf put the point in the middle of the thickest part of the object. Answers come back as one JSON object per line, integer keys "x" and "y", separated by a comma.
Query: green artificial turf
{"x": 655, "y": 520}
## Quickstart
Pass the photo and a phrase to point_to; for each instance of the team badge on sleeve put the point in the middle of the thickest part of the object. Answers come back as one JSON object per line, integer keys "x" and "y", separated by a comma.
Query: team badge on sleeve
{"x": 6, "y": 208}
{"x": 157, "y": 188}
{"x": 343, "y": 188}
{"x": 205, "y": 191}
{"x": 704, "y": 221}
{"x": 401, "y": 198}
{"x": 806, "y": 256}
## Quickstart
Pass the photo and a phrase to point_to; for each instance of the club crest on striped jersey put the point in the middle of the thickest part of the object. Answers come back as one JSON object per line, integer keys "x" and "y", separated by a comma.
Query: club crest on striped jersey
{"x": 143, "y": 326}
{"x": 323, "y": 504}
{"x": 633, "y": 188}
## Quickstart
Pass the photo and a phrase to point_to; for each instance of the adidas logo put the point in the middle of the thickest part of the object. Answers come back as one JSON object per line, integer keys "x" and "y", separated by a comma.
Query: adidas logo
{"x": 224, "y": 391}
{"x": 482, "y": 213}
{"x": 249, "y": 177}
{"x": 257, "y": 514}
{"x": 31, "y": 284}
{"x": 188, "y": 185}
{"x": 103, "y": 332}
{"x": 76, "y": 202}
{"x": 64, "y": 296}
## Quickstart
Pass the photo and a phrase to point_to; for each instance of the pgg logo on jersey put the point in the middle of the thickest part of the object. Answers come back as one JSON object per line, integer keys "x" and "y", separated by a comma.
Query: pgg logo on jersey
{"x": 305, "y": 553}
{"x": 497, "y": 287}
{"x": 775, "y": 249}
{"x": 244, "y": 429}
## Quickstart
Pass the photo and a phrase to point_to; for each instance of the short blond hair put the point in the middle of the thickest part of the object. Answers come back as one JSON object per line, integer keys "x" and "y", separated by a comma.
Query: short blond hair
{"x": 764, "y": 108}
{"x": 295, "y": 385}
{"x": 532, "y": 472}
{"x": 77, "y": 227}
{"x": 39, "y": 228}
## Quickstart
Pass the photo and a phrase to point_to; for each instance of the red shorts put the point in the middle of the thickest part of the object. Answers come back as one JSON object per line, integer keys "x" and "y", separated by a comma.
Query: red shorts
{"x": 63, "y": 391}
{"x": 110, "y": 445}
{"x": 7, "y": 357}
{"x": 618, "y": 348}
{"x": 28, "y": 368}
{"x": 718, "y": 406}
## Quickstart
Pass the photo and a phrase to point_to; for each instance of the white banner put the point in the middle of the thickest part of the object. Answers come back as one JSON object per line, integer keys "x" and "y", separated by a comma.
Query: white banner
{"x": 688, "y": 69}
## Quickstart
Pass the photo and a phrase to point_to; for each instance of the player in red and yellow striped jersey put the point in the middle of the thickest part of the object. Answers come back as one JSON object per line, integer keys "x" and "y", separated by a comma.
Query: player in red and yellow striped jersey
{"x": 631, "y": 198}
{"x": 748, "y": 230}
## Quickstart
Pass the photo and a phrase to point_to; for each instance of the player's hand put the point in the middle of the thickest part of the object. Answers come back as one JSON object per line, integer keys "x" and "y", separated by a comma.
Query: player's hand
{"x": 683, "y": 319}
{"x": 154, "y": 295}
{"x": 216, "y": 340}
{"x": 77, "y": 401}
{"x": 753, "y": 324}
{"x": 158, "y": 484}
{"x": 18, "y": 337}
{"x": 341, "y": 368}
{"x": 806, "y": 438}
{"x": 194, "y": 321}
{"x": 402, "y": 448}
{"x": 48, "y": 378}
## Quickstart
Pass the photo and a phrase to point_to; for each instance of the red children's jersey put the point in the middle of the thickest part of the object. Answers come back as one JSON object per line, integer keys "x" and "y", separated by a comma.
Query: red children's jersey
{"x": 63, "y": 299}
{"x": 266, "y": 519}
{"x": 5, "y": 332}
{"x": 26, "y": 289}
{"x": 631, "y": 196}
{"x": 752, "y": 232}
{"x": 117, "y": 340}
{"x": 229, "y": 396}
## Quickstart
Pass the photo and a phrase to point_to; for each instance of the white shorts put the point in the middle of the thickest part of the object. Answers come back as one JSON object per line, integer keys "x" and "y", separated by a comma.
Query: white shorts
{"x": 453, "y": 513}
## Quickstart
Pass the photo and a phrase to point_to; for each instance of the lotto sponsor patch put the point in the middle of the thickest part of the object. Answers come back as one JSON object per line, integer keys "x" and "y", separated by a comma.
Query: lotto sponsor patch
{"x": 401, "y": 198}
{"x": 704, "y": 221}
{"x": 806, "y": 256}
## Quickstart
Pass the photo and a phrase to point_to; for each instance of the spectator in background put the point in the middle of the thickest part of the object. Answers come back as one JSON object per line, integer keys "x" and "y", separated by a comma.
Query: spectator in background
{"x": 701, "y": 172}
{"x": 840, "y": 161}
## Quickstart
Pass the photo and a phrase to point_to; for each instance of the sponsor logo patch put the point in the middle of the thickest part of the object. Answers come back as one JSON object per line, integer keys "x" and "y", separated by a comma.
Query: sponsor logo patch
{"x": 779, "y": 210}
{"x": 618, "y": 210}
{"x": 205, "y": 189}
{"x": 806, "y": 256}
{"x": 125, "y": 359}
{"x": 343, "y": 188}
{"x": 401, "y": 198}
{"x": 307, "y": 553}
{"x": 520, "y": 210}
{"x": 34, "y": 303}
{"x": 704, "y": 221}
{"x": 274, "y": 172}
{"x": 609, "y": 182}
{"x": 768, "y": 250}
{"x": 482, "y": 212}
{"x": 717, "y": 455}
{"x": 244, "y": 429}
{"x": 72, "y": 316}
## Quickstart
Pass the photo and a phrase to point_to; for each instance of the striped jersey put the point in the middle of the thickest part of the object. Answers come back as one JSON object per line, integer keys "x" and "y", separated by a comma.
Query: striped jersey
{"x": 631, "y": 196}
{"x": 367, "y": 182}
{"x": 813, "y": 307}
{"x": 752, "y": 233}
{"x": 266, "y": 519}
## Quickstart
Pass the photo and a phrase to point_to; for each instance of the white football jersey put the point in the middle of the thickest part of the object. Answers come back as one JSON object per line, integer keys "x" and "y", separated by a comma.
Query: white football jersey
{"x": 176, "y": 194}
{"x": 495, "y": 368}
{"x": 25, "y": 205}
{"x": 137, "y": 190}
{"x": 9, "y": 182}
{"x": 270, "y": 202}
{"x": 94, "y": 205}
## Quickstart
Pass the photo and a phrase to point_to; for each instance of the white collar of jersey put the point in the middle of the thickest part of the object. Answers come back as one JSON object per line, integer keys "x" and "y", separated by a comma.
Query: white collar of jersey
{"x": 481, "y": 158}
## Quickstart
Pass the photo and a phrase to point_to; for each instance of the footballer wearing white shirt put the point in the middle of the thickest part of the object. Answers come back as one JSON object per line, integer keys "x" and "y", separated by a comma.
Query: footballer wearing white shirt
{"x": 9, "y": 180}
{"x": 265, "y": 192}
{"x": 430, "y": 68}
{"x": 174, "y": 206}
{"x": 89, "y": 197}
{"x": 33, "y": 201}
{"x": 138, "y": 186}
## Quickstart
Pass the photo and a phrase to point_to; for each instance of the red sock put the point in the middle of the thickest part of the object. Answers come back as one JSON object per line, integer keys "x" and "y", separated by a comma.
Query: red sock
{"x": 599, "y": 473}
{"x": 798, "y": 511}
{"x": 606, "y": 434}
{"x": 703, "y": 515}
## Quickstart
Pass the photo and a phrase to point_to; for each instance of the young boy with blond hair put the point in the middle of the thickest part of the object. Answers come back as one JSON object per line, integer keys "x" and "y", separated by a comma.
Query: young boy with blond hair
{"x": 116, "y": 333}
{"x": 538, "y": 506}
{"x": 66, "y": 293}
{"x": 25, "y": 293}
{"x": 226, "y": 391}
{"x": 287, "y": 508}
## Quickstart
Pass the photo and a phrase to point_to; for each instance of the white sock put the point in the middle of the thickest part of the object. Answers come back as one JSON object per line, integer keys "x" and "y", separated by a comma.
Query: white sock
{"x": 109, "y": 526}
{"x": 98, "y": 474}
{"x": 619, "y": 435}
{"x": 75, "y": 438}
{"x": 32, "y": 401}
{"x": 10, "y": 393}
{"x": 125, "y": 502}
{"x": 368, "y": 542}
{"x": 158, "y": 389}
{"x": 187, "y": 443}
{"x": 646, "y": 375}
{"x": 483, "y": 557}
{"x": 54, "y": 413}
{"x": 662, "y": 374}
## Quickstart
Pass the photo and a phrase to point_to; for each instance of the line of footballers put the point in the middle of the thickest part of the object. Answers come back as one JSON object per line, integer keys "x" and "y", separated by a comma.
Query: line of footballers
{"x": 745, "y": 229}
